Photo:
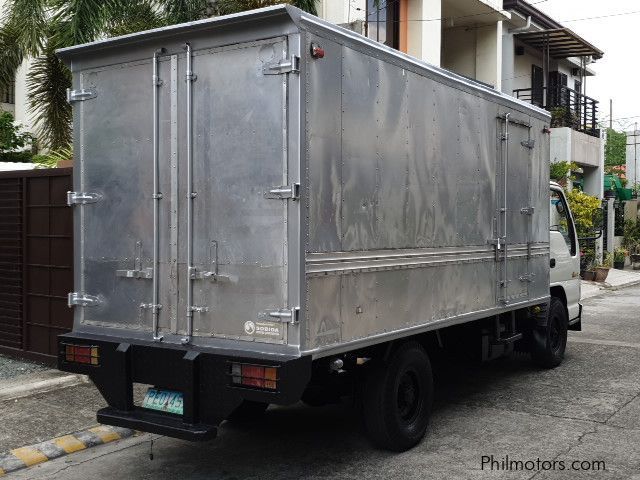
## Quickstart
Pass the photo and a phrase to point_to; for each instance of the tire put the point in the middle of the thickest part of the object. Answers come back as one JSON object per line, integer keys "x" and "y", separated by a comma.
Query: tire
{"x": 248, "y": 411}
{"x": 397, "y": 399}
{"x": 549, "y": 343}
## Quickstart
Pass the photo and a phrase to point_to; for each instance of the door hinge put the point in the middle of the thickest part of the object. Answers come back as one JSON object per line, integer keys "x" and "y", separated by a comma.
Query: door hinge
{"x": 528, "y": 143}
{"x": 527, "y": 210}
{"x": 286, "y": 315}
{"x": 80, "y": 95}
{"x": 527, "y": 277}
{"x": 82, "y": 198}
{"x": 284, "y": 192}
{"x": 83, "y": 300}
{"x": 290, "y": 65}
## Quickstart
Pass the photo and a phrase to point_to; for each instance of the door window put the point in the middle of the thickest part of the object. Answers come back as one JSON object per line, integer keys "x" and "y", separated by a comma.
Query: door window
{"x": 560, "y": 221}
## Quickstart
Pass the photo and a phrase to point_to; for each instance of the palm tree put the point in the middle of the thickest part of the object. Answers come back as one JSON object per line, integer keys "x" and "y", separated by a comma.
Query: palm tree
{"x": 36, "y": 28}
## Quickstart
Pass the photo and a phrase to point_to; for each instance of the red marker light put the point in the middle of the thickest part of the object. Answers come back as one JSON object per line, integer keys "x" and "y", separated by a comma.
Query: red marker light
{"x": 317, "y": 51}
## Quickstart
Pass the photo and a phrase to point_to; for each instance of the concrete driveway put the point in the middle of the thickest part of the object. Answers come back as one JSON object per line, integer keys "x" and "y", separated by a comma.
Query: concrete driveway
{"x": 531, "y": 423}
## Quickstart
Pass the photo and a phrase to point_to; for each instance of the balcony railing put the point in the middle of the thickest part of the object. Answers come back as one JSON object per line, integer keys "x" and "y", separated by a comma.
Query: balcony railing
{"x": 568, "y": 108}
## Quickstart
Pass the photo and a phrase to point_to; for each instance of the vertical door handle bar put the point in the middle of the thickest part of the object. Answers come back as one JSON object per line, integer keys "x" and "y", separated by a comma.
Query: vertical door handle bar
{"x": 189, "y": 78}
{"x": 505, "y": 167}
{"x": 155, "y": 307}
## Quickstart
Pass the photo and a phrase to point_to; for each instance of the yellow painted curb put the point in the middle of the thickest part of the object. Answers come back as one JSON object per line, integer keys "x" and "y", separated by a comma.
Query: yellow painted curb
{"x": 29, "y": 455}
{"x": 69, "y": 443}
{"x": 105, "y": 433}
{"x": 23, "y": 457}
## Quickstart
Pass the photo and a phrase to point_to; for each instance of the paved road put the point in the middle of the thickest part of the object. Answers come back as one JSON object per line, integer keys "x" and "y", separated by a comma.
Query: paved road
{"x": 587, "y": 410}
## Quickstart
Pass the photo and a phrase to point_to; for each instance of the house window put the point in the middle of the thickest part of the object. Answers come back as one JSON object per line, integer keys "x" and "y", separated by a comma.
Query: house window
{"x": 7, "y": 95}
{"x": 383, "y": 22}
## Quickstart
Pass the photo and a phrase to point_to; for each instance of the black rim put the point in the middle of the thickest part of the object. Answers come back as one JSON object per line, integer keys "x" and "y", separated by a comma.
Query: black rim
{"x": 555, "y": 335}
{"x": 409, "y": 396}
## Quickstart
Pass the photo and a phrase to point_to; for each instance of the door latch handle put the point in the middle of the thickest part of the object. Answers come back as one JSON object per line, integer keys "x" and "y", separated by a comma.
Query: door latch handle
{"x": 552, "y": 262}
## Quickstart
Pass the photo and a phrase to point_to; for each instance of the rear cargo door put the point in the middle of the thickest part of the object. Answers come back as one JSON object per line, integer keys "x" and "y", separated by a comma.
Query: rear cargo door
{"x": 113, "y": 202}
{"x": 514, "y": 206}
{"x": 240, "y": 192}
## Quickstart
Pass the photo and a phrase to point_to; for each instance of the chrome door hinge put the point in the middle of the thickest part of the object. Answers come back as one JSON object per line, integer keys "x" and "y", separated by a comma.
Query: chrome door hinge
{"x": 284, "y": 192}
{"x": 80, "y": 95}
{"x": 82, "y": 198}
{"x": 285, "y": 315}
{"x": 527, "y": 210}
{"x": 83, "y": 300}
{"x": 527, "y": 277}
{"x": 528, "y": 143}
{"x": 290, "y": 65}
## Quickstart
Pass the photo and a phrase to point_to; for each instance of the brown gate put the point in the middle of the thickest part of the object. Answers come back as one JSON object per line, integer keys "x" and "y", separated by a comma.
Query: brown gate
{"x": 36, "y": 261}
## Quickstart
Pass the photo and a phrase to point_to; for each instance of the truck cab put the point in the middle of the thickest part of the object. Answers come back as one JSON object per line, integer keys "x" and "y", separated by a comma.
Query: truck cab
{"x": 564, "y": 258}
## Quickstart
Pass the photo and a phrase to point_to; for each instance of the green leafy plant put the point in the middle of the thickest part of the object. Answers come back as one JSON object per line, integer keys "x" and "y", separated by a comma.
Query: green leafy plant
{"x": 615, "y": 149}
{"x": 52, "y": 158}
{"x": 560, "y": 170}
{"x": 631, "y": 236}
{"x": 11, "y": 136}
{"x": 607, "y": 262}
{"x": 619, "y": 255}
{"x": 583, "y": 208}
{"x": 36, "y": 28}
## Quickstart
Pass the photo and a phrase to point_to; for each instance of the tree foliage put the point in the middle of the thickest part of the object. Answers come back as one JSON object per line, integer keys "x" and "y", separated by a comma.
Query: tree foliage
{"x": 583, "y": 208}
{"x": 36, "y": 28}
{"x": 615, "y": 148}
{"x": 11, "y": 135}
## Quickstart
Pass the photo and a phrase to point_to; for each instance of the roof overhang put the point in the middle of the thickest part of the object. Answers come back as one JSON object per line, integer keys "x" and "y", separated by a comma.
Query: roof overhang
{"x": 561, "y": 42}
{"x": 458, "y": 13}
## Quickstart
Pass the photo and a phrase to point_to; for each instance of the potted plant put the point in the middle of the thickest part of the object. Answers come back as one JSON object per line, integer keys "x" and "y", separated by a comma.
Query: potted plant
{"x": 619, "y": 256}
{"x": 631, "y": 241}
{"x": 634, "y": 255}
{"x": 587, "y": 270}
{"x": 602, "y": 270}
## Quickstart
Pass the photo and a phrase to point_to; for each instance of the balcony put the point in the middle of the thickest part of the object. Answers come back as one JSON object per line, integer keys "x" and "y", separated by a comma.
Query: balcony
{"x": 568, "y": 107}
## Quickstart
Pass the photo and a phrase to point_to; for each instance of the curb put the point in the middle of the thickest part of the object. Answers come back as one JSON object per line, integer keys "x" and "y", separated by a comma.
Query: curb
{"x": 42, "y": 386}
{"x": 24, "y": 457}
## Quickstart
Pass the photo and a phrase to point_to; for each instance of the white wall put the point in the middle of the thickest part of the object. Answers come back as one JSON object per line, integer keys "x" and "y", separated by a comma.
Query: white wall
{"x": 475, "y": 52}
{"x": 424, "y": 39}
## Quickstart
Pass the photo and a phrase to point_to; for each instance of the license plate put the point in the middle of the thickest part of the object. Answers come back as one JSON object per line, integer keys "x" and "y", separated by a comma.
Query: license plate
{"x": 163, "y": 400}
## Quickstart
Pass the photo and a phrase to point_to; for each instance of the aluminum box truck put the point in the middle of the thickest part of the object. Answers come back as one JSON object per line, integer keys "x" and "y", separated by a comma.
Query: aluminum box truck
{"x": 270, "y": 208}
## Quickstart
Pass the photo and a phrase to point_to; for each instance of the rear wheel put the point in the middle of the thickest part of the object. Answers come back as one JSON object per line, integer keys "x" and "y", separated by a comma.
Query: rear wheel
{"x": 549, "y": 343}
{"x": 397, "y": 399}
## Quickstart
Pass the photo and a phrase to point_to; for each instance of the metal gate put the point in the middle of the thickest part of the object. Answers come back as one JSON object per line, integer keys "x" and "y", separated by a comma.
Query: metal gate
{"x": 36, "y": 260}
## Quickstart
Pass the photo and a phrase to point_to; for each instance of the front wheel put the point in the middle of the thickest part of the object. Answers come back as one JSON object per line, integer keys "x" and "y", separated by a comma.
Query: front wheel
{"x": 549, "y": 343}
{"x": 397, "y": 399}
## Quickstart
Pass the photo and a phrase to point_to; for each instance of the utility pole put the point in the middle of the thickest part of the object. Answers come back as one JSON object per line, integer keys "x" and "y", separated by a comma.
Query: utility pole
{"x": 611, "y": 114}
{"x": 635, "y": 157}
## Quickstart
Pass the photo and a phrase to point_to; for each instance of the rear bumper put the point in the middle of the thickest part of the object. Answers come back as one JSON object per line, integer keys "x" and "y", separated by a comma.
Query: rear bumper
{"x": 201, "y": 375}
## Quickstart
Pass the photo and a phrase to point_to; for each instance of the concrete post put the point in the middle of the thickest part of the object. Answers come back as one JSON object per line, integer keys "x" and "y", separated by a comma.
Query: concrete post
{"x": 611, "y": 223}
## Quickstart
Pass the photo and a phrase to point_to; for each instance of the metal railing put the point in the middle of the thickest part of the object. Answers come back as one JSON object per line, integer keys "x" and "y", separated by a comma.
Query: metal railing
{"x": 568, "y": 107}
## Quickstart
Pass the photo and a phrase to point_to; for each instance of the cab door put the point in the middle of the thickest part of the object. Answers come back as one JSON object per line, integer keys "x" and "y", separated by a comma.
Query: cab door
{"x": 564, "y": 251}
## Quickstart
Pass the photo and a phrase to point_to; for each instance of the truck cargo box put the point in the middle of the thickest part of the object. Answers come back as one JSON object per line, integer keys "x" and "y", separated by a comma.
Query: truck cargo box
{"x": 271, "y": 184}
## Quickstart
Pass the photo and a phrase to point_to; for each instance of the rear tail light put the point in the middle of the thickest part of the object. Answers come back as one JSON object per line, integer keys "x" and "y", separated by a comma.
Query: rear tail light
{"x": 87, "y": 354}
{"x": 256, "y": 376}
